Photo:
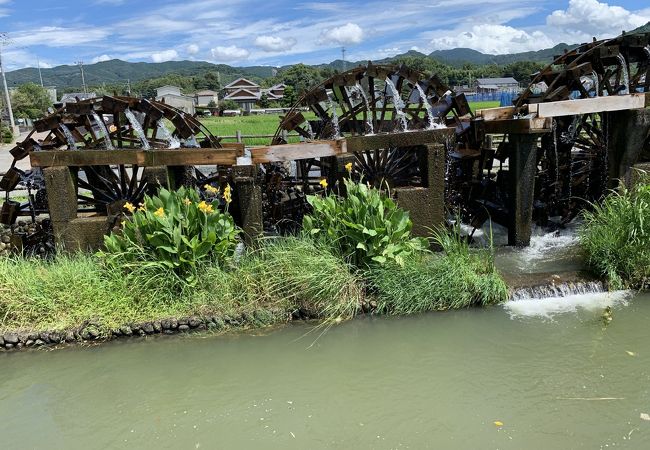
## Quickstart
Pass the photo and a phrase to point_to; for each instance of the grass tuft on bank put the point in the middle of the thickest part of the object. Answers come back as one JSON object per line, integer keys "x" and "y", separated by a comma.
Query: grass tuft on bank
{"x": 615, "y": 236}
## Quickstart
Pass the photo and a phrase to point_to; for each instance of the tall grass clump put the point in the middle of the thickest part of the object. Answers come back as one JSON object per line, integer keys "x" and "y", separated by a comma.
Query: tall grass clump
{"x": 458, "y": 277}
{"x": 615, "y": 236}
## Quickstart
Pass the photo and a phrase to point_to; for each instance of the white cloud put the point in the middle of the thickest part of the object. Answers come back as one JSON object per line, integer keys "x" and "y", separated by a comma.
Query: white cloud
{"x": 101, "y": 58}
{"x": 350, "y": 33}
{"x": 192, "y": 49}
{"x": 230, "y": 53}
{"x": 60, "y": 37}
{"x": 592, "y": 18}
{"x": 494, "y": 39}
{"x": 274, "y": 43}
{"x": 165, "y": 55}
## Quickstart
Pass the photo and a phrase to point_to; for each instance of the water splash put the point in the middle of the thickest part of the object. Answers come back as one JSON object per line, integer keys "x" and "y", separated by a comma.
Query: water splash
{"x": 137, "y": 128}
{"x": 545, "y": 302}
{"x": 626, "y": 75}
{"x": 433, "y": 124}
{"x": 172, "y": 141}
{"x": 72, "y": 144}
{"x": 108, "y": 145}
{"x": 398, "y": 103}
{"x": 335, "y": 116}
{"x": 191, "y": 142}
{"x": 359, "y": 89}
{"x": 646, "y": 49}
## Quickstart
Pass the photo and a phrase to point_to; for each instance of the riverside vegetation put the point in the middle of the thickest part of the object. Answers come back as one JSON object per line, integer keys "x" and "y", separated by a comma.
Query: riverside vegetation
{"x": 176, "y": 257}
{"x": 616, "y": 237}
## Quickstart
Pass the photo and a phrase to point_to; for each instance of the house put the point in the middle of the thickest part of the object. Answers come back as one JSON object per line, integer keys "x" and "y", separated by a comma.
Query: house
{"x": 204, "y": 97}
{"x": 172, "y": 96}
{"x": 507, "y": 84}
{"x": 247, "y": 93}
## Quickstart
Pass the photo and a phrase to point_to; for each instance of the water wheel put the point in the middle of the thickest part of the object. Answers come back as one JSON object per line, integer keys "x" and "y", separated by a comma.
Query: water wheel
{"x": 366, "y": 100}
{"x": 108, "y": 123}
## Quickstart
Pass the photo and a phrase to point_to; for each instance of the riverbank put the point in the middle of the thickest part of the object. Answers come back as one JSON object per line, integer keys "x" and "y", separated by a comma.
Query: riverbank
{"x": 78, "y": 298}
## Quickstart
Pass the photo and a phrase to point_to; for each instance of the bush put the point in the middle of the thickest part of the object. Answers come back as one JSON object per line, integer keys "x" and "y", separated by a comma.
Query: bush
{"x": 6, "y": 135}
{"x": 365, "y": 227}
{"x": 457, "y": 278}
{"x": 174, "y": 230}
{"x": 616, "y": 237}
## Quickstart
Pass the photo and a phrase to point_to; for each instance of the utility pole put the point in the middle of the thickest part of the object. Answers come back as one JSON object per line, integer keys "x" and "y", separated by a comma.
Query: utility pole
{"x": 343, "y": 58}
{"x": 40, "y": 75}
{"x": 4, "y": 40}
{"x": 83, "y": 79}
{"x": 128, "y": 86}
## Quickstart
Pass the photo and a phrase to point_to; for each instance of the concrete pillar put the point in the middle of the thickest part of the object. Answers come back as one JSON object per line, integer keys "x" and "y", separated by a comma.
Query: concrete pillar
{"x": 522, "y": 168}
{"x": 627, "y": 132}
{"x": 247, "y": 199}
{"x": 61, "y": 193}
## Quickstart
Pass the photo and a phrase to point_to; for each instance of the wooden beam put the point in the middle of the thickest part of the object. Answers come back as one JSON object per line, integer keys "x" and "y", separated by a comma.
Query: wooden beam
{"x": 506, "y": 112}
{"x": 590, "y": 105}
{"x": 238, "y": 146}
{"x": 403, "y": 139}
{"x": 516, "y": 126}
{"x": 143, "y": 158}
{"x": 303, "y": 150}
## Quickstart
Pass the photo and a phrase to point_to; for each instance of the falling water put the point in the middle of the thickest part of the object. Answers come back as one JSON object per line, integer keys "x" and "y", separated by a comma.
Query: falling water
{"x": 398, "y": 103}
{"x": 359, "y": 89}
{"x": 107, "y": 138}
{"x": 646, "y": 49}
{"x": 626, "y": 75}
{"x": 432, "y": 117}
{"x": 137, "y": 128}
{"x": 310, "y": 131}
{"x": 335, "y": 116}
{"x": 72, "y": 144}
{"x": 172, "y": 141}
{"x": 557, "y": 164}
{"x": 594, "y": 79}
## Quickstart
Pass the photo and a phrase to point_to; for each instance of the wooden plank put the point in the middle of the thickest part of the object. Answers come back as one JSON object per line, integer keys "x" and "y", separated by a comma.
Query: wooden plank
{"x": 516, "y": 126}
{"x": 589, "y": 105}
{"x": 238, "y": 146}
{"x": 292, "y": 152}
{"x": 506, "y": 112}
{"x": 403, "y": 139}
{"x": 144, "y": 158}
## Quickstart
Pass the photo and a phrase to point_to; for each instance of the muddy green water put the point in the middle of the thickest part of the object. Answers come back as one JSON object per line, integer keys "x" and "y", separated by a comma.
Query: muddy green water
{"x": 437, "y": 380}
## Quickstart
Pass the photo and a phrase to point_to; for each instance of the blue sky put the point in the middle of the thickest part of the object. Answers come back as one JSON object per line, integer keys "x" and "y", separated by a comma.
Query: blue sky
{"x": 243, "y": 32}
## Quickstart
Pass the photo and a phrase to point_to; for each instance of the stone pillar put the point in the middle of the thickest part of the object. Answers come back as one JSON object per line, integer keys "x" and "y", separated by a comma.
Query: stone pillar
{"x": 522, "y": 168}
{"x": 426, "y": 205}
{"x": 627, "y": 132}
{"x": 157, "y": 177}
{"x": 247, "y": 197}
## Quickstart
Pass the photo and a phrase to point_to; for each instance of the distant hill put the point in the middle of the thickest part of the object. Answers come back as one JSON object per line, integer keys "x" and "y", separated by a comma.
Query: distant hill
{"x": 117, "y": 71}
{"x": 460, "y": 56}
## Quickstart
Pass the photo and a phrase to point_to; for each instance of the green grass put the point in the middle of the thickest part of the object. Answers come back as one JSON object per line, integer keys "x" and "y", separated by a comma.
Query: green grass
{"x": 483, "y": 105}
{"x": 616, "y": 237}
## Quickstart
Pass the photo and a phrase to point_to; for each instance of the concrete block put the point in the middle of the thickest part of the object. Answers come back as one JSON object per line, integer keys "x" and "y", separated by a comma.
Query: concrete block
{"x": 81, "y": 234}
{"x": 523, "y": 165}
{"x": 248, "y": 208}
{"x": 61, "y": 193}
{"x": 157, "y": 176}
{"x": 425, "y": 208}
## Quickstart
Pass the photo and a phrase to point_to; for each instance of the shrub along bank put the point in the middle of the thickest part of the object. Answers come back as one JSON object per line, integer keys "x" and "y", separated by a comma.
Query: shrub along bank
{"x": 370, "y": 262}
{"x": 616, "y": 237}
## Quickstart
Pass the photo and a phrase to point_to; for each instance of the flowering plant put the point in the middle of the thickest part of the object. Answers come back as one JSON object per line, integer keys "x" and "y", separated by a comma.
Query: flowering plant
{"x": 176, "y": 230}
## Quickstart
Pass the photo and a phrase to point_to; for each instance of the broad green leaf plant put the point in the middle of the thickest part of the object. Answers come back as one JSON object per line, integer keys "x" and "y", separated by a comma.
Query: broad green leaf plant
{"x": 365, "y": 226}
{"x": 174, "y": 230}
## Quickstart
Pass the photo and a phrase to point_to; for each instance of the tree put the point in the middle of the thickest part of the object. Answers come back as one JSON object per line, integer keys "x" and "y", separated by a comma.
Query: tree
{"x": 228, "y": 104}
{"x": 290, "y": 96}
{"x": 264, "y": 101}
{"x": 30, "y": 101}
{"x": 212, "y": 104}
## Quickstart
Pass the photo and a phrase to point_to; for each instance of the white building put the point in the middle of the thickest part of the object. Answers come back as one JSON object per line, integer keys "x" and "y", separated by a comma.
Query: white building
{"x": 172, "y": 96}
{"x": 204, "y": 97}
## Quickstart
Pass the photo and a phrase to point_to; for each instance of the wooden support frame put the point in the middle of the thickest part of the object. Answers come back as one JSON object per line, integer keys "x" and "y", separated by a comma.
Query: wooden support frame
{"x": 590, "y": 105}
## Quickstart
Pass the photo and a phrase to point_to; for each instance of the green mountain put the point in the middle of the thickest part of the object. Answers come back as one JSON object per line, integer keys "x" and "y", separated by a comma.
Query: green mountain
{"x": 460, "y": 56}
{"x": 117, "y": 71}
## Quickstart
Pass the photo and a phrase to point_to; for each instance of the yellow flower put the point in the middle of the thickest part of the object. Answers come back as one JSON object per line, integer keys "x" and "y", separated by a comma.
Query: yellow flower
{"x": 348, "y": 167}
{"x": 129, "y": 207}
{"x": 160, "y": 212}
{"x": 227, "y": 194}
{"x": 211, "y": 189}
{"x": 141, "y": 207}
{"x": 323, "y": 183}
{"x": 498, "y": 423}
{"x": 187, "y": 201}
{"x": 205, "y": 207}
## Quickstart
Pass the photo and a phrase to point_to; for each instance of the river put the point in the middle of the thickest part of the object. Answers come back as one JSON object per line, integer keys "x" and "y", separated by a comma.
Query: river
{"x": 533, "y": 374}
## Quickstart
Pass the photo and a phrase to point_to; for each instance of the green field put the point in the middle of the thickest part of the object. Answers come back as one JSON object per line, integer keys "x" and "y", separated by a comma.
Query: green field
{"x": 267, "y": 124}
